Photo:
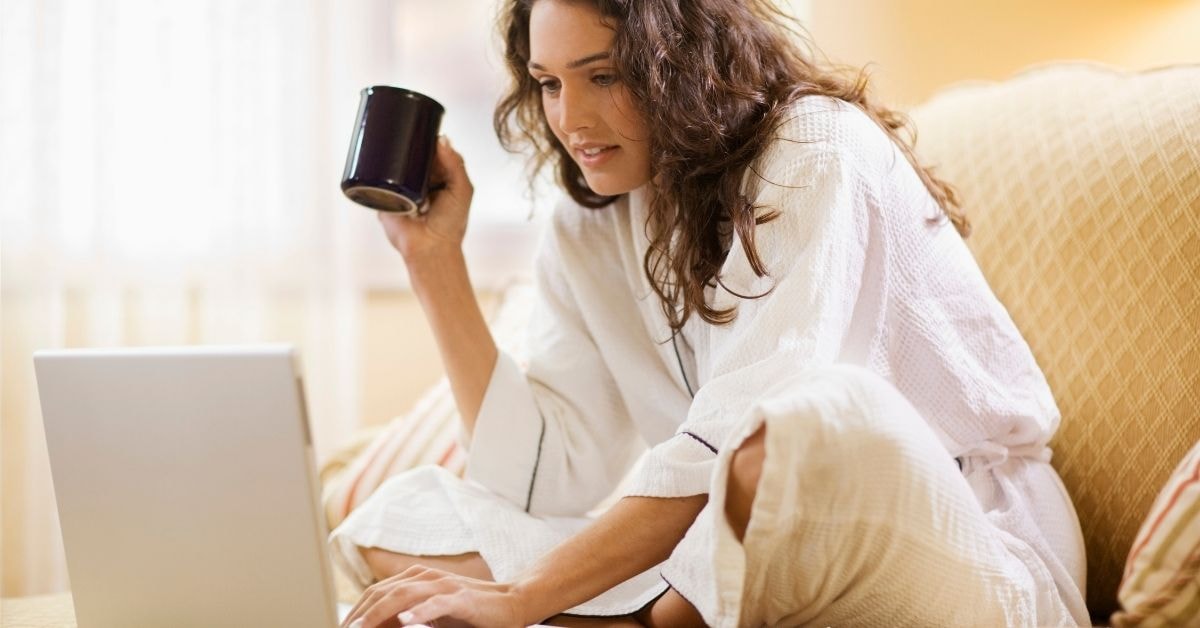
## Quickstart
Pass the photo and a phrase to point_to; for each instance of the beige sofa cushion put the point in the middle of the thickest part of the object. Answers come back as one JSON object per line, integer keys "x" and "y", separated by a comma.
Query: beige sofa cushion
{"x": 1083, "y": 184}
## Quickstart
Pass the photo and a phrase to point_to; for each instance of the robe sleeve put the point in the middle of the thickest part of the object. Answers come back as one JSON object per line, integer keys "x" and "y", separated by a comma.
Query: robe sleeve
{"x": 553, "y": 438}
{"x": 814, "y": 252}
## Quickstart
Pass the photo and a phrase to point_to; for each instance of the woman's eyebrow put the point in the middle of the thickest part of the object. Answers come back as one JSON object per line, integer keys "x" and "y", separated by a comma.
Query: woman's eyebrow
{"x": 599, "y": 56}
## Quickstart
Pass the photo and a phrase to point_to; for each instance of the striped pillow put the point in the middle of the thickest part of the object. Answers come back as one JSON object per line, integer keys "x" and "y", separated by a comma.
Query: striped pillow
{"x": 428, "y": 434}
{"x": 1161, "y": 585}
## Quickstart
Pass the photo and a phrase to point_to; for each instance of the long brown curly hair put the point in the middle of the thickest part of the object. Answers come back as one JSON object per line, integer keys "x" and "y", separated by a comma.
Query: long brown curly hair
{"x": 713, "y": 80}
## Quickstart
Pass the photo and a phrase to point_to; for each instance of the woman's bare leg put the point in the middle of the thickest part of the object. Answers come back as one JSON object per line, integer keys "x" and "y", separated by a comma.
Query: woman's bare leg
{"x": 745, "y": 468}
{"x": 624, "y": 621}
{"x": 385, "y": 564}
{"x": 670, "y": 610}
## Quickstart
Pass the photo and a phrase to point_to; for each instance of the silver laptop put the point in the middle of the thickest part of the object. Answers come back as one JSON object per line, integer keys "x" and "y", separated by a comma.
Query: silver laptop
{"x": 186, "y": 487}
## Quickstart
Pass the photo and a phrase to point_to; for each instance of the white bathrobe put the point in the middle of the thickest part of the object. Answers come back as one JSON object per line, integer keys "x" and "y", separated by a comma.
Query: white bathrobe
{"x": 873, "y": 308}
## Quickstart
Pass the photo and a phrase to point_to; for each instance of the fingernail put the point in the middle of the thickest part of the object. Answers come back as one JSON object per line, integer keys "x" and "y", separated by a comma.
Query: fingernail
{"x": 356, "y": 623}
{"x": 405, "y": 618}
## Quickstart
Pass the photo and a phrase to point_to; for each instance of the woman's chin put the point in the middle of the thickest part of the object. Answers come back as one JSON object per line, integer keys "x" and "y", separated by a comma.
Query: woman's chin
{"x": 611, "y": 186}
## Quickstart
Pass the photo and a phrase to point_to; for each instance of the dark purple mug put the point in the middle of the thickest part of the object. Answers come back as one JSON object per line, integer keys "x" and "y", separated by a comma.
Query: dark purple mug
{"x": 392, "y": 149}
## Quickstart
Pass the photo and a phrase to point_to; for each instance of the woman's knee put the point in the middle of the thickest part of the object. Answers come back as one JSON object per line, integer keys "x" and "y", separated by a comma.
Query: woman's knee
{"x": 745, "y": 469}
{"x": 843, "y": 413}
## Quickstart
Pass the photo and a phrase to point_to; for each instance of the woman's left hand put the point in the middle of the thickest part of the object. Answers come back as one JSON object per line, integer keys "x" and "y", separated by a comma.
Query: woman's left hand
{"x": 421, "y": 595}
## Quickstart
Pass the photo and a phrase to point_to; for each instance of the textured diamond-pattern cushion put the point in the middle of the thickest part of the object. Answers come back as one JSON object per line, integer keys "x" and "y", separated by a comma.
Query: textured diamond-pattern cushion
{"x": 1083, "y": 185}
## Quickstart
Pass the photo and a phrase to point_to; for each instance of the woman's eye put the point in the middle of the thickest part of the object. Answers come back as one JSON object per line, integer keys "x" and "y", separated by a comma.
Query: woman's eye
{"x": 549, "y": 87}
{"x": 604, "y": 80}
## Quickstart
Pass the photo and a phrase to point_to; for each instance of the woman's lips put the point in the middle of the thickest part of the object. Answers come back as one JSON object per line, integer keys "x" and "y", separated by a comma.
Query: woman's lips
{"x": 593, "y": 156}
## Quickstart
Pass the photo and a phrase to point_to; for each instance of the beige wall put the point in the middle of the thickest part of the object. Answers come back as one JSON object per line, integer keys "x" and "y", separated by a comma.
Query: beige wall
{"x": 400, "y": 357}
{"x": 918, "y": 45}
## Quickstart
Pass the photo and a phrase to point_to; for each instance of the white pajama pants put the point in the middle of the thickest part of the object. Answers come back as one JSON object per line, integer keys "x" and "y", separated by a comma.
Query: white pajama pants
{"x": 861, "y": 518}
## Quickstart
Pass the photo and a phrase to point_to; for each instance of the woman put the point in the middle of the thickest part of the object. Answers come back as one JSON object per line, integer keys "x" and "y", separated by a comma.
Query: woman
{"x": 754, "y": 278}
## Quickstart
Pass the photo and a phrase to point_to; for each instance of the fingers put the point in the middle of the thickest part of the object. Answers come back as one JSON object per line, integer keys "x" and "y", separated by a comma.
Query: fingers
{"x": 437, "y": 606}
{"x": 422, "y": 596}
{"x": 396, "y": 603}
{"x": 387, "y": 599}
{"x": 370, "y": 597}
{"x": 365, "y": 601}
{"x": 449, "y": 170}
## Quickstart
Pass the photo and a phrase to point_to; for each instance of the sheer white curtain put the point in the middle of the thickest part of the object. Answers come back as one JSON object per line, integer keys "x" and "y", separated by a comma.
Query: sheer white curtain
{"x": 169, "y": 175}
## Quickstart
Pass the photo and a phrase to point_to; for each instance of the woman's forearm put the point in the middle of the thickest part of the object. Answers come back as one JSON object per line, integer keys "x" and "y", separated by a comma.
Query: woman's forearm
{"x": 468, "y": 352}
{"x": 633, "y": 536}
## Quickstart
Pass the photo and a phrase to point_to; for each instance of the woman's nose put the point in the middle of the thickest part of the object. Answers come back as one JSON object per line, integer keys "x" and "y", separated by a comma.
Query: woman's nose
{"x": 575, "y": 111}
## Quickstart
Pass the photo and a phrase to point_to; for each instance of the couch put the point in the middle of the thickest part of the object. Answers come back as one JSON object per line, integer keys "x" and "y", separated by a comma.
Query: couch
{"x": 1083, "y": 186}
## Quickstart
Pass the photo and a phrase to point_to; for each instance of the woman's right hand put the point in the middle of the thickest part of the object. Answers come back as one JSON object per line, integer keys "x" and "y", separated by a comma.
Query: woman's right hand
{"x": 443, "y": 223}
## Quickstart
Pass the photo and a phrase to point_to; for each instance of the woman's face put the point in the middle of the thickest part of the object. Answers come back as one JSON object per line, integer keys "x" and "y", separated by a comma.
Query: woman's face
{"x": 586, "y": 104}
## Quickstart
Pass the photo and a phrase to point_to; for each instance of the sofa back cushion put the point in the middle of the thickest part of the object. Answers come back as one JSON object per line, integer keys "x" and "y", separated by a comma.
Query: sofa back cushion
{"x": 1083, "y": 187}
